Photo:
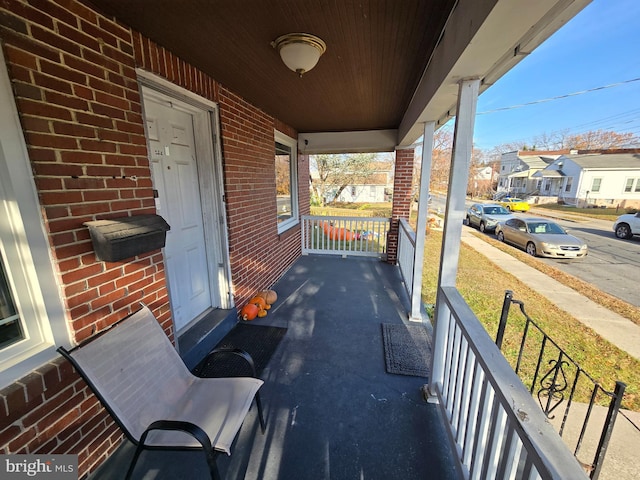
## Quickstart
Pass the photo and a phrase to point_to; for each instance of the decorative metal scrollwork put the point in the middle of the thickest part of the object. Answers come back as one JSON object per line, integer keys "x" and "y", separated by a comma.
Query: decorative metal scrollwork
{"x": 553, "y": 384}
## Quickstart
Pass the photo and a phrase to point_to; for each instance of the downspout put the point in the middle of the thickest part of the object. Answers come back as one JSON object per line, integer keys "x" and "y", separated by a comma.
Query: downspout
{"x": 456, "y": 196}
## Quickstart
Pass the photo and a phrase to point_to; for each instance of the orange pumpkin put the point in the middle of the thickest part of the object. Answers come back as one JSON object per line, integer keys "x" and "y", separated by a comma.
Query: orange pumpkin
{"x": 249, "y": 311}
{"x": 262, "y": 313}
{"x": 258, "y": 302}
{"x": 270, "y": 296}
{"x": 335, "y": 233}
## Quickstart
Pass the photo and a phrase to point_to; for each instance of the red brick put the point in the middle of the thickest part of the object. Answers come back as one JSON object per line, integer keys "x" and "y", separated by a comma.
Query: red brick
{"x": 41, "y": 109}
{"x": 73, "y": 129}
{"x": 97, "y": 145}
{"x": 64, "y": 252}
{"x": 60, "y": 198}
{"x": 56, "y": 70}
{"x": 100, "y": 120}
{"x": 18, "y": 443}
{"x": 51, "y": 141}
{"x": 57, "y": 12}
{"x": 79, "y": 37}
{"x": 114, "y": 113}
{"x": 51, "y": 83}
{"x": 48, "y": 184}
{"x": 80, "y": 157}
{"x": 25, "y": 90}
{"x": 55, "y": 41}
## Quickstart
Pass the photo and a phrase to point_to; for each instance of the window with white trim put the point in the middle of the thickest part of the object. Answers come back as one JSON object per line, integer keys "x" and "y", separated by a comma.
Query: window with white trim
{"x": 596, "y": 183}
{"x": 32, "y": 320}
{"x": 569, "y": 184}
{"x": 632, "y": 185}
{"x": 286, "y": 155}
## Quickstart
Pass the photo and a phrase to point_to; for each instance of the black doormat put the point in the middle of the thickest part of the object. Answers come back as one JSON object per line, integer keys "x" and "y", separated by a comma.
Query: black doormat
{"x": 407, "y": 349}
{"x": 259, "y": 341}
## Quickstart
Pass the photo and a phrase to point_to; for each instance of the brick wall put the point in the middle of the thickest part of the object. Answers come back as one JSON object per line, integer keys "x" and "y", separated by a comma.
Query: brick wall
{"x": 73, "y": 75}
{"x": 403, "y": 176}
{"x": 258, "y": 255}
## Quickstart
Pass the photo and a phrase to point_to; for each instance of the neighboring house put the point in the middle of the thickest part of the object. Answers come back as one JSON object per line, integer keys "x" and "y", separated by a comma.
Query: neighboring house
{"x": 518, "y": 168}
{"x": 374, "y": 188}
{"x": 484, "y": 180}
{"x": 597, "y": 179}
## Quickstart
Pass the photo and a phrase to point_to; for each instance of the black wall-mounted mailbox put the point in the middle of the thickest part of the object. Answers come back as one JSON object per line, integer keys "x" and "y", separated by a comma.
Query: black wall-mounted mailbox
{"x": 126, "y": 237}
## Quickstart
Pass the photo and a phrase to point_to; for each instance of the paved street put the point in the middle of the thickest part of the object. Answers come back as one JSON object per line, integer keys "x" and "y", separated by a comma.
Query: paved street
{"x": 613, "y": 265}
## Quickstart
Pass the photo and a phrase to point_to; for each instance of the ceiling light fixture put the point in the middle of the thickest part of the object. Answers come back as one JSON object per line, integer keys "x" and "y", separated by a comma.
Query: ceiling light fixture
{"x": 300, "y": 52}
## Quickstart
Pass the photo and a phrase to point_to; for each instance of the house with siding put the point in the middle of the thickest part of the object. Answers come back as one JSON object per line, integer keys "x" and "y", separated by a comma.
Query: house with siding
{"x": 111, "y": 110}
{"x": 374, "y": 187}
{"x": 517, "y": 170}
{"x": 600, "y": 179}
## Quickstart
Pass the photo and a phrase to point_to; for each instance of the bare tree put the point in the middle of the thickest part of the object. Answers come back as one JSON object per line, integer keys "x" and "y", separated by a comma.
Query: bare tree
{"x": 477, "y": 163}
{"x": 563, "y": 140}
{"x": 332, "y": 173}
{"x": 441, "y": 159}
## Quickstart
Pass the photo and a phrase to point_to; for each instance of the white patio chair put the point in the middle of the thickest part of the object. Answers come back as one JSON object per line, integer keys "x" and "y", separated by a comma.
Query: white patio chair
{"x": 141, "y": 380}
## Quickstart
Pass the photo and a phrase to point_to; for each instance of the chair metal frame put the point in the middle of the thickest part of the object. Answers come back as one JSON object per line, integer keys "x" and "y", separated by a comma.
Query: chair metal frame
{"x": 187, "y": 427}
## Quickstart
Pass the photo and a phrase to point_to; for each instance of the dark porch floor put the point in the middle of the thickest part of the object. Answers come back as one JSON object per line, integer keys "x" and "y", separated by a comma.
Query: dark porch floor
{"x": 332, "y": 411}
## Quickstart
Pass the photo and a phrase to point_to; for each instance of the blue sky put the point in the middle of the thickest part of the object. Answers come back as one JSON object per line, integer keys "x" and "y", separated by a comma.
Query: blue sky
{"x": 598, "y": 47}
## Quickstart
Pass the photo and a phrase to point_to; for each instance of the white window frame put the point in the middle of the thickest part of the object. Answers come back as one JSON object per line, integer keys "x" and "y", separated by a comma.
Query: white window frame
{"x": 568, "y": 185}
{"x": 634, "y": 187}
{"x": 293, "y": 172}
{"x": 23, "y": 245}
{"x": 593, "y": 183}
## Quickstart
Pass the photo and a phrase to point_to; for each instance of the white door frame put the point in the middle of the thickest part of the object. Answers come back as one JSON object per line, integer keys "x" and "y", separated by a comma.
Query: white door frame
{"x": 210, "y": 178}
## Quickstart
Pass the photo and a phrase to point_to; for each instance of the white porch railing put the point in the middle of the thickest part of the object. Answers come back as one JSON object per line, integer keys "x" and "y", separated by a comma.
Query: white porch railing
{"x": 406, "y": 254}
{"x": 495, "y": 425}
{"x": 346, "y": 236}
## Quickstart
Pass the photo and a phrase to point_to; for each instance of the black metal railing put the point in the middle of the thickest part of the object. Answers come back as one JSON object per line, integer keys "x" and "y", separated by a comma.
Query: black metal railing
{"x": 555, "y": 378}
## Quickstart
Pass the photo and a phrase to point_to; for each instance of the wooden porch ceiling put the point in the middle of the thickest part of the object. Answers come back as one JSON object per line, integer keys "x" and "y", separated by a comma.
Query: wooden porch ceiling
{"x": 379, "y": 52}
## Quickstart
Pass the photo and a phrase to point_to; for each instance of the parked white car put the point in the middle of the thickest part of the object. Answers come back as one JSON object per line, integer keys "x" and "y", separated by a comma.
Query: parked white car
{"x": 628, "y": 225}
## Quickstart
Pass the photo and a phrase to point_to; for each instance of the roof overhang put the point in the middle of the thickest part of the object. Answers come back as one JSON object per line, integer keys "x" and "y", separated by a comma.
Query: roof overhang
{"x": 549, "y": 174}
{"x": 390, "y": 65}
{"x": 505, "y": 32}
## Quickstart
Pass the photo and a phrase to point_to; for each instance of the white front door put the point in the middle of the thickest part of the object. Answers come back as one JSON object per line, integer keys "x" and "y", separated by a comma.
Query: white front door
{"x": 174, "y": 167}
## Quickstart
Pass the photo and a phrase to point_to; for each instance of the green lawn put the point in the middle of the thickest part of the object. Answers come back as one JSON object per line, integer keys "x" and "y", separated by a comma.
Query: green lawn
{"x": 599, "y": 213}
{"x": 483, "y": 285}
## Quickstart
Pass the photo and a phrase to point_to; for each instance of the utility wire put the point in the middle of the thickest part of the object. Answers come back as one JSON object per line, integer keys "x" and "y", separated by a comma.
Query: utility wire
{"x": 559, "y": 97}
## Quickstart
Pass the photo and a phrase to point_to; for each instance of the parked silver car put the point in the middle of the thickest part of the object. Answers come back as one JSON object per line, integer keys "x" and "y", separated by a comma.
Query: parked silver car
{"x": 538, "y": 236}
{"x": 628, "y": 225}
{"x": 485, "y": 216}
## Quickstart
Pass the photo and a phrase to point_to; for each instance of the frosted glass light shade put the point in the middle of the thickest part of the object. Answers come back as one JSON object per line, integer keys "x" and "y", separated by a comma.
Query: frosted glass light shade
{"x": 300, "y": 52}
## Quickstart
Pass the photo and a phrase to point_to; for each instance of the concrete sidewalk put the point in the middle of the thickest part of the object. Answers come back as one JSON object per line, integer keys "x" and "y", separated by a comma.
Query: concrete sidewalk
{"x": 616, "y": 329}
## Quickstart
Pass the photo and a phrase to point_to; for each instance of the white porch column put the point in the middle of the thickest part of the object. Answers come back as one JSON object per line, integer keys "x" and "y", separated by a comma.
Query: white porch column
{"x": 455, "y": 211}
{"x": 421, "y": 225}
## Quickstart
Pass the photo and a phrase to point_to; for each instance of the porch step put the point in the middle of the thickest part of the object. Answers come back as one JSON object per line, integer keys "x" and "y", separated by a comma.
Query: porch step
{"x": 199, "y": 340}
